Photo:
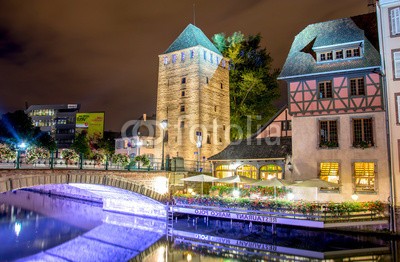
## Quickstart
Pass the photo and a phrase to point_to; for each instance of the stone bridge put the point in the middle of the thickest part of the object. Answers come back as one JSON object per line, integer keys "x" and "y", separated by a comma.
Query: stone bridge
{"x": 137, "y": 182}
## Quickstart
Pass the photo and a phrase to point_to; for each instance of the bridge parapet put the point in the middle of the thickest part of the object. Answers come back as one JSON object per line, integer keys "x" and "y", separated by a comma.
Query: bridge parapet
{"x": 17, "y": 179}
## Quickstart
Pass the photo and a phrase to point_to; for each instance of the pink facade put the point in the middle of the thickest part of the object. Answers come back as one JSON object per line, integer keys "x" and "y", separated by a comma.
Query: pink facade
{"x": 278, "y": 126}
{"x": 305, "y": 100}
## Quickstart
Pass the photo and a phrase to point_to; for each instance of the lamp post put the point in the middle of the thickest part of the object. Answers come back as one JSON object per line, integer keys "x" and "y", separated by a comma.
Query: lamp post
{"x": 164, "y": 125}
{"x": 20, "y": 147}
{"x": 198, "y": 144}
{"x": 139, "y": 144}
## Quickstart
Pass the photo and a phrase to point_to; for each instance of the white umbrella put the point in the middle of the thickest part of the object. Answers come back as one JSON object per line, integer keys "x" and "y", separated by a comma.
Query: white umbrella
{"x": 316, "y": 182}
{"x": 236, "y": 179}
{"x": 275, "y": 182}
{"x": 200, "y": 178}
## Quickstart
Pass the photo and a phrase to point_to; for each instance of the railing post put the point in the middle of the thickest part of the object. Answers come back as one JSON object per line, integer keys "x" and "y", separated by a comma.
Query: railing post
{"x": 18, "y": 156}
{"x": 80, "y": 161}
{"x": 106, "y": 162}
{"x": 51, "y": 159}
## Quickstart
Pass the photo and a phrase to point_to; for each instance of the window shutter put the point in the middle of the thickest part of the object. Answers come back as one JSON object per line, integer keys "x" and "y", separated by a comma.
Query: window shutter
{"x": 396, "y": 62}
{"x": 395, "y": 20}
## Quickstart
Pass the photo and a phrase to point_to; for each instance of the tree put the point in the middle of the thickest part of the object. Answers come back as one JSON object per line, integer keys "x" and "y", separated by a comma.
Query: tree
{"x": 81, "y": 145}
{"x": 253, "y": 83}
{"x": 17, "y": 127}
{"x": 107, "y": 143}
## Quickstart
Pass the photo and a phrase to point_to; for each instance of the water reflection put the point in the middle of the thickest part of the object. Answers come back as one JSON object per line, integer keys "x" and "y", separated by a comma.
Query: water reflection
{"x": 80, "y": 231}
{"x": 25, "y": 232}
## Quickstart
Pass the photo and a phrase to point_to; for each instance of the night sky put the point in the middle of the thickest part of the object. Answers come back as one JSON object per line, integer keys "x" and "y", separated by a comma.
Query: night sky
{"x": 104, "y": 54}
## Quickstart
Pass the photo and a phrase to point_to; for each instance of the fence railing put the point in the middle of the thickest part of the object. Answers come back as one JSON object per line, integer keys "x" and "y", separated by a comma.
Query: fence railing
{"x": 155, "y": 165}
{"x": 323, "y": 214}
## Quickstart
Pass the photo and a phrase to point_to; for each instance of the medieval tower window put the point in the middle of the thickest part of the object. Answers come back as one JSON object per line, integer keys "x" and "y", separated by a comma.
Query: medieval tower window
{"x": 206, "y": 79}
{"x": 182, "y": 108}
{"x": 182, "y": 93}
{"x": 183, "y": 80}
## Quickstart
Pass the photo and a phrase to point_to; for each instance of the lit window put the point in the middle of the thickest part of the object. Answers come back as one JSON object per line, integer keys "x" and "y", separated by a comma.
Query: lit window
{"x": 396, "y": 64}
{"x": 224, "y": 171}
{"x": 182, "y": 108}
{"x": 165, "y": 60}
{"x": 395, "y": 20}
{"x": 362, "y": 132}
{"x": 247, "y": 171}
{"x": 183, "y": 56}
{"x": 339, "y": 54}
{"x": 364, "y": 176}
{"x": 173, "y": 58}
{"x": 357, "y": 87}
{"x": 328, "y": 133}
{"x": 329, "y": 171}
{"x": 325, "y": 89}
{"x": 270, "y": 171}
{"x": 183, "y": 80}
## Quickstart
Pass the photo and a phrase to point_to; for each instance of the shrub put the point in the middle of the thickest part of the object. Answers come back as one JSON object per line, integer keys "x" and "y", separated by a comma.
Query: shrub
{"x": 6, "y": 152}
{"x": 35, "y": 153}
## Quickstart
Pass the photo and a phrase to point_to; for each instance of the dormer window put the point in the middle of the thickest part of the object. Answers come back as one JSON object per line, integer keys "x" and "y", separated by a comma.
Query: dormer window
{"x": 183, "y": 56}
{"x": 347, "y": 51}
{"x": 326, "y": 56}
{"x": 353, "y": 52}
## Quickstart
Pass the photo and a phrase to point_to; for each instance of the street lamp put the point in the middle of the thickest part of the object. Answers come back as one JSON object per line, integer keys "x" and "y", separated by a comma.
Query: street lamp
{"x": 21, "y": 146}
{"x": 198, "y": 145}
{"x": 164, "y": 125}
{"x": 139, "y": 144}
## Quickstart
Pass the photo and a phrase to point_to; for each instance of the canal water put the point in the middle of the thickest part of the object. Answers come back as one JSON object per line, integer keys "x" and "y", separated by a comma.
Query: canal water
{"x": 39, "y": 227}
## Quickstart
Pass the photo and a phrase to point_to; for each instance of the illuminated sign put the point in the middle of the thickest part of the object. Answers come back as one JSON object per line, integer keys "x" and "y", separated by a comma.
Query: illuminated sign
{"x": 90, "y": 123}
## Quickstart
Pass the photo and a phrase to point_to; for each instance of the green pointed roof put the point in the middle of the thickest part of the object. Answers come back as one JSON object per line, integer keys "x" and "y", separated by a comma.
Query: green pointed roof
{"x": 192, "y": 36}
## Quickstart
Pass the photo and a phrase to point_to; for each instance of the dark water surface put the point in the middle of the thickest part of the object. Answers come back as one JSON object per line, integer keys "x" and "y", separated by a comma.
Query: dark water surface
{"x": 62, "y": 229}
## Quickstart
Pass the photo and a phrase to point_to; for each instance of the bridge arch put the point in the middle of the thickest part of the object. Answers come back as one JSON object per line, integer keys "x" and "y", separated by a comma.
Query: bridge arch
{"x": 18, "y": 179}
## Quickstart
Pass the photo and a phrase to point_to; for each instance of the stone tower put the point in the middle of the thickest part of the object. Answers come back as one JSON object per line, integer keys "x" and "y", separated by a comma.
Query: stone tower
{"x": 193, "y": 96}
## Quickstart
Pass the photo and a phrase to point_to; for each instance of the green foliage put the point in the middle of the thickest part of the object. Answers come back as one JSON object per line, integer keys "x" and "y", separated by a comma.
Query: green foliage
{"x": 70, "y": 156}
{"x": 120, "y": 159}
{"x": 35, "y": 153}
{"x": 253, "y": 84}
{"x": 143, "y": 159}
{"x": 6, "y": 153}
{"x": 106, "y": 144}
{"x": 81, "y": 145}
{"x": 98, "y": 156}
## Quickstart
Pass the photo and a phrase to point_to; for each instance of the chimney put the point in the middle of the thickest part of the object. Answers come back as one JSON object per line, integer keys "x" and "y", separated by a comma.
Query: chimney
{"x": 144, "y": 117}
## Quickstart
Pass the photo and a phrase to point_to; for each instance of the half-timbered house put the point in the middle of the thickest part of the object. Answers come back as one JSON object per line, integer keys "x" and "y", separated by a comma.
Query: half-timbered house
{"x": 335, "y": 100}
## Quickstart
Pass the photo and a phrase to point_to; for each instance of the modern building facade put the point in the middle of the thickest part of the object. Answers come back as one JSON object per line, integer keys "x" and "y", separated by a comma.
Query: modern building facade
{"x": 388, "y": 13}
{"x": 57, "y": 120}
{"x": 193, "y": 97}
{"x": 336, "y": 101}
